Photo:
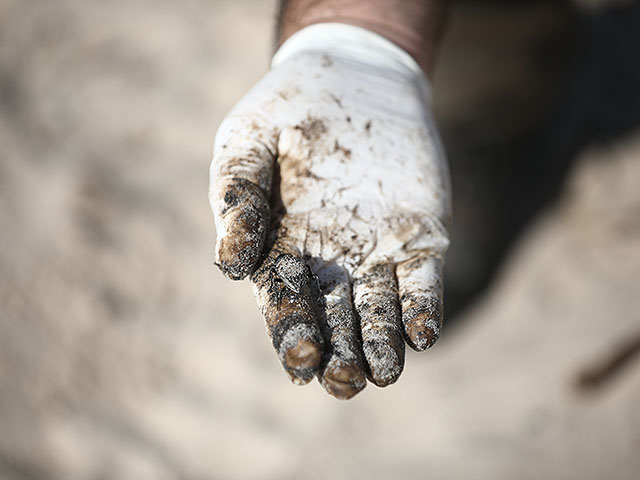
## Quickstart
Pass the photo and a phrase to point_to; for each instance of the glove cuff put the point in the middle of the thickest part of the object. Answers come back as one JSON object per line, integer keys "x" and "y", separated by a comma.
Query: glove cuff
{"x": 355, "y": 44}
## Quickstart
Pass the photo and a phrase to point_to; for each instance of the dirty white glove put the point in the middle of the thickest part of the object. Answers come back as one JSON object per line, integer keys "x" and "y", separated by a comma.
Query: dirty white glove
{"x": 329, "y": 186}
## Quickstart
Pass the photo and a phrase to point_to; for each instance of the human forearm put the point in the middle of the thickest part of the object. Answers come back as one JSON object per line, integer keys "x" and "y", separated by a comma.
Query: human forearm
{"x": 414, "y": 25}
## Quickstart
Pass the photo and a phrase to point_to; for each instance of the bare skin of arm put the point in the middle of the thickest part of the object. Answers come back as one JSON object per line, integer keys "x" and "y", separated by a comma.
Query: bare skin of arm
{"x": 414, "y": 25}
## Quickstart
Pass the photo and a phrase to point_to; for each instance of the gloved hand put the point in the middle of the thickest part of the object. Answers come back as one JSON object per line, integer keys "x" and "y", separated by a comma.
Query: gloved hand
{"x": 330, "y": 187}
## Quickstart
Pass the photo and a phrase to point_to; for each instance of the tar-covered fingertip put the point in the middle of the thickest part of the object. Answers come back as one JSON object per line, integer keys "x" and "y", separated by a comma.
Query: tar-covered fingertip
{"x": 303, "y": 355}
{"x": 237, "y": 256}
{"x": 342, "y": 380}
{"x": 420, "y": 284}
{"x": 422, "y": 323}
{"x": 385, "y": 359}
{"x": 377, "y": 305}
{"x": 242, "y": 215}
{"x": 301, "y": 360}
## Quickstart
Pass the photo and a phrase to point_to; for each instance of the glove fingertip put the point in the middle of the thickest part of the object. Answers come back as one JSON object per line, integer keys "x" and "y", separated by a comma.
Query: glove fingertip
{"x": 343, "y": 380}
{"x": 242, "y": 220}
{"x": 237, "y": 254}
{"x": 422, "y": 331}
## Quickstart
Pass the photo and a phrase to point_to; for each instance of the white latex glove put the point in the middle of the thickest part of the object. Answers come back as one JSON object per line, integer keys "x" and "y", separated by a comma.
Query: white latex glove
{"x": 333, "y": 159}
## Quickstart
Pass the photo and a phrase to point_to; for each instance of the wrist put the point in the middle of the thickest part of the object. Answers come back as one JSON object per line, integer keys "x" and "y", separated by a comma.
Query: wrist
{"x": 413, "y": 25}
{"x": 351, "y": 43}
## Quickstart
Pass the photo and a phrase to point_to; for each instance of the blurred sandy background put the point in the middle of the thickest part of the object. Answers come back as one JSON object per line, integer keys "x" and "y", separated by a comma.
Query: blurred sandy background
{"x": 124, "y": 354}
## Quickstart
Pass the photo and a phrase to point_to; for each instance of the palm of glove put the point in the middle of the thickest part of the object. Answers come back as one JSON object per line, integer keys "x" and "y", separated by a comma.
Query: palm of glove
{"x": 335, "y": 163}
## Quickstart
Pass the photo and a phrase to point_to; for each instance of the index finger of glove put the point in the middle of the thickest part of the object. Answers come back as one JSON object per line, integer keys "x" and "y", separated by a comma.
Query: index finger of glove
{"x": 240, "y": 183}
{"x": 281, "y": 285}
